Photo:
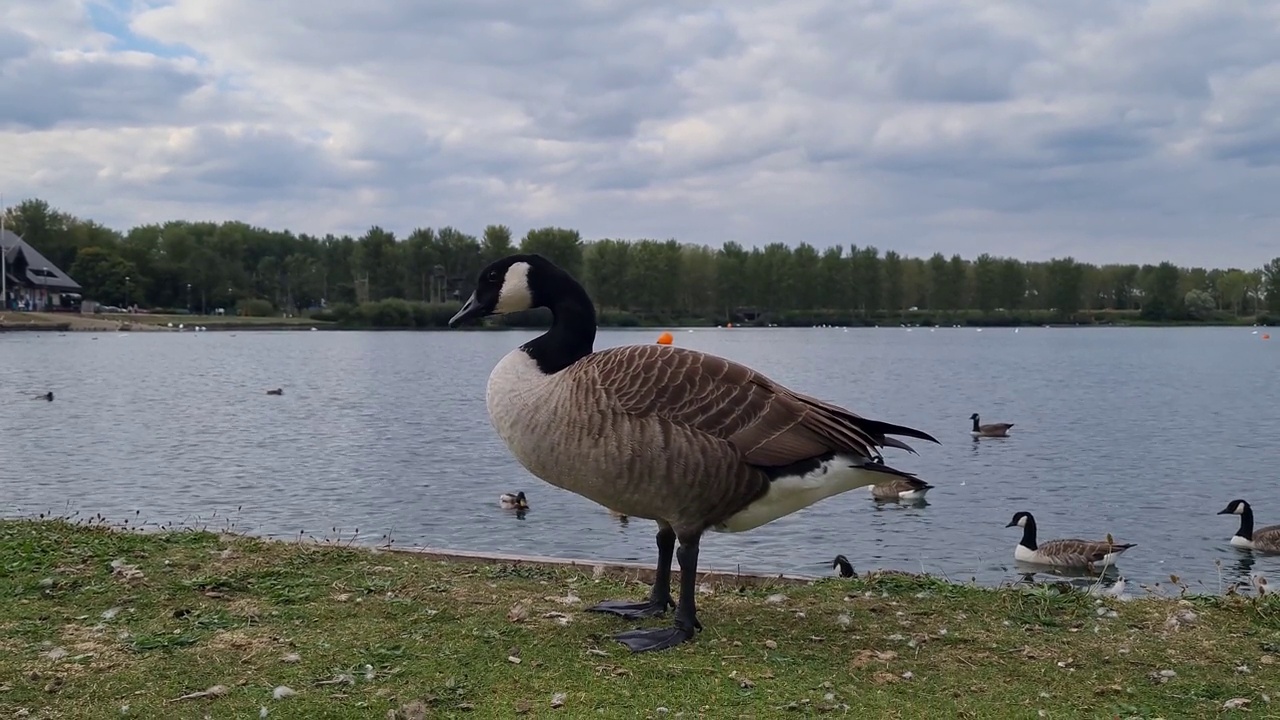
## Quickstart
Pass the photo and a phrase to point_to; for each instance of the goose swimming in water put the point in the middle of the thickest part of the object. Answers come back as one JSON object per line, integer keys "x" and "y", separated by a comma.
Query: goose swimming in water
{"x": 1266, "y": 539}
{"x": 1065, "y": 552}
{"x": 692, "y": 441}
{"x": 990, "y": 429}
{"x": 900, "y": 488}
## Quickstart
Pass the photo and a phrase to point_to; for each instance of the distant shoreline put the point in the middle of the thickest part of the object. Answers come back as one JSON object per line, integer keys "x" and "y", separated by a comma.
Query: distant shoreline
{"x": 66, "y": 327}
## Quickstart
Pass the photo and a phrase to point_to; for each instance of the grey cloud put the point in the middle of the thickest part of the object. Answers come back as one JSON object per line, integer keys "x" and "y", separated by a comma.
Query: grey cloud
{"x": 246, "y": 166}
{"x": 1094, "y": 127}
{"x": 39, "y": 91}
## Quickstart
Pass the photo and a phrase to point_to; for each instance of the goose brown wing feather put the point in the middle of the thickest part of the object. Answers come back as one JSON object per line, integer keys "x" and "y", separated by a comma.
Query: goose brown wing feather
{"x": 1267, "y": 538}
{"x": 1077, "y": 550}
{"x": 768, "y": 424}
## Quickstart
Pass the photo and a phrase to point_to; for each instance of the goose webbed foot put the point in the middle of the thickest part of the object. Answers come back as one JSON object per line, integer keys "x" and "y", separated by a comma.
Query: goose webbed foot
{"x": 638, "y": 641}
{"x": 646, "y": 608}
{"x": 686, "y": 620}
{"x": 660, "y": 596}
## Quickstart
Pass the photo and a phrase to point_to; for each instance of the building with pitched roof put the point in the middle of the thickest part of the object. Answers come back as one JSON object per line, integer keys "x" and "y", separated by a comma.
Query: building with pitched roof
{"x": 31, "y": 282}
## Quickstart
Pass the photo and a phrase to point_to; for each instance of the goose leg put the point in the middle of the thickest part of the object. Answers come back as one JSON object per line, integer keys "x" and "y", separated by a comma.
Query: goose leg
{"x": 686, "y": 619}
{"x": 659, "y": 594}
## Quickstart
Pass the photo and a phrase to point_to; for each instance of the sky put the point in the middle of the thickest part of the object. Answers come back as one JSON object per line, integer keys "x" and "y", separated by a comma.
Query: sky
{"x": 1117, "y": 131}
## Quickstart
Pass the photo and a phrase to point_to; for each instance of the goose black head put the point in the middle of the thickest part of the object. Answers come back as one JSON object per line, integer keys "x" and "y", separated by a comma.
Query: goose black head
{"x": 511, "y": 284}
{"x": 1020, "y": 519}
{"x": 973, "y": 416}
{"x": 1235, "y": 507}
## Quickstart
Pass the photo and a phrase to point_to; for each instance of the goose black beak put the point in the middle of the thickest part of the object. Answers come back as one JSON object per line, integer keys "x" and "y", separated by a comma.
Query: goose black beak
{"x": 1225, "y": 512}
{"x": 471, "y": 309}
{"x": 1011, "y": 524}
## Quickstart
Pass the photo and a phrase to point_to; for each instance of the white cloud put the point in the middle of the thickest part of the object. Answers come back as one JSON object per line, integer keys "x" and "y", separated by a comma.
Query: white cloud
{"x": 1134, "y": 131}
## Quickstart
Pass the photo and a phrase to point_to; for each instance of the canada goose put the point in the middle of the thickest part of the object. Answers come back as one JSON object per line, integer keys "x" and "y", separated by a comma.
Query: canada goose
{"x": 990, "y": 429}
{"x": 1066, "y": 552}
{"x": 517, "y": 501}
{"x": 845, "y": 567}
{"x": 277, "y": 391}
{"x": 900, "y": 488}
{"x": 692, "y": 441}
{"x": 1266, "y": 538}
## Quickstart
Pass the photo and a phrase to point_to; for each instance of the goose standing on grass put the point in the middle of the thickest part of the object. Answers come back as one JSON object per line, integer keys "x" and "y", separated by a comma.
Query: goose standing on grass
{"x": 1066, "y": 552}
{"x": 900, "y": 488}
{"x": 692, "y": 441}
{"x": 1266, "y": 539}
{"x": 990, "y": 429}
{"x": 516, "y": 501}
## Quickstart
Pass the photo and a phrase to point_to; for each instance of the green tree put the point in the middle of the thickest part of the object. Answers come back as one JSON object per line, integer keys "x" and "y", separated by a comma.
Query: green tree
{"x": 1065, "y": 285}
{"x": 894, "y": 282}
{"x": 1270, "y": 285}
{"x": 1231, "y": 286}
{"x": 102, "y": 272}
{"x": 986, "y": 283}
{"x": 559, "y": 245}
{"x": 1199, "y": 304}
{"x": 1161, "y": 299}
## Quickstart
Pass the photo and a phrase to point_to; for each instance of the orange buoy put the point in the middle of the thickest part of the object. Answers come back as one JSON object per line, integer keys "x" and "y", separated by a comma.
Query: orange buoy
{"x": 1265, "y": 336}
{"x": 665, "y": 338}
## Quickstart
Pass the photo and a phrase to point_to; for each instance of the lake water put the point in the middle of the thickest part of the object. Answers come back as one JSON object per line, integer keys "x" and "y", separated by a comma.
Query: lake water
{"x": 1143, "y": 433}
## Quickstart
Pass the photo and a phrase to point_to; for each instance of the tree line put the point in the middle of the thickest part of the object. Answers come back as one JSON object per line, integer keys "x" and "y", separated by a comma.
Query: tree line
{"x": 379, "y": 279}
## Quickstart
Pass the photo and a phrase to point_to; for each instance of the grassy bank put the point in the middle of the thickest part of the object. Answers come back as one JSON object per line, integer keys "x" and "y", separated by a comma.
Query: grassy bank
{"x": 93, "y": 621}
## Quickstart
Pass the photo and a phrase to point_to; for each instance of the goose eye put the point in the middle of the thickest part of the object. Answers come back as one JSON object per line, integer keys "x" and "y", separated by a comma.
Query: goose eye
{"x": 492, "y": 276}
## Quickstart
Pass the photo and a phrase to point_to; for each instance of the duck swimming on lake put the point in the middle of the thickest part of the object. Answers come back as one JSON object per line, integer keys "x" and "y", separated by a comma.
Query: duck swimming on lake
{"x": 277, "y": 391}
{"x": 47, "y": 396}
{"x": 690, "y": 440}
{"x": 516, "y": 501}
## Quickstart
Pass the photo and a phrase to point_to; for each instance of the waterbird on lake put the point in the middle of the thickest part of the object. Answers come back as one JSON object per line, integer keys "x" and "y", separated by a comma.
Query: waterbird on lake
{"x": 47, "y": 396}
{"x": 277, "y": 391}
{"x": 1266, "y": 539}
{"x": 845, "y": 568}
{"x": 1065, "y": 552}
{"x": 990, "y": 429}
{"x": 517, "y": 501}
{"x": 690, "y": 440}
{"x": 900, "y": 488}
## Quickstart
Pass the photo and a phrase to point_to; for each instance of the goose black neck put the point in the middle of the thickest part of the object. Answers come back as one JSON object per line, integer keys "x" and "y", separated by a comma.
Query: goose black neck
{"x": 1246, "y": 524}
{"x": 573, "y": 328}
{"x": 1029, "y": 534}
{"x": 975, "y": 423}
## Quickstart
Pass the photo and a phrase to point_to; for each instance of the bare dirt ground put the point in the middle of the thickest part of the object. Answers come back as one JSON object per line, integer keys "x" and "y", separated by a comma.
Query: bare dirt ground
{"x": 80, "y": 323}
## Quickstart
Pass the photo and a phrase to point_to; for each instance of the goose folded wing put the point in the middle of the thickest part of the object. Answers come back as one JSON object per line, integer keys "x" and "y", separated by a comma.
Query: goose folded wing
{"x": 1076, "y": 550}
{"x": 769, "y": 425}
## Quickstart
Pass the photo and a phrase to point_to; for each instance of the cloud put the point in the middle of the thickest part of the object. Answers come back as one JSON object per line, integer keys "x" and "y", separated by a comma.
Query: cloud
{"x": 1110, "y": 131}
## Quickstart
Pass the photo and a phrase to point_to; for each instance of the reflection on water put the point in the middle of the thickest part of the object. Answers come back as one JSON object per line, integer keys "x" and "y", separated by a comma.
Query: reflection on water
{"x": 1143, "y": 433}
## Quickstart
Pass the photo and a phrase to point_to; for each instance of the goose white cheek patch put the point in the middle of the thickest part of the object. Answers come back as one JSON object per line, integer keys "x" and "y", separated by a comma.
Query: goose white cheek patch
{"x": 515, "y": 294}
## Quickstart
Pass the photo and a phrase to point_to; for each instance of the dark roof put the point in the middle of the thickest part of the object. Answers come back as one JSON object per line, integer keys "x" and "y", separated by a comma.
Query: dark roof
{"x": 14, "y": 247}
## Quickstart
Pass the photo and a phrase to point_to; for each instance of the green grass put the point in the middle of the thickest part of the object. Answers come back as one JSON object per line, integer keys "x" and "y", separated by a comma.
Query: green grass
{"x": 358, "y": 633}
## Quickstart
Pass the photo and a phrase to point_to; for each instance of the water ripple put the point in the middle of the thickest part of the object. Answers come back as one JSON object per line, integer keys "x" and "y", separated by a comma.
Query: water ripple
{"x": 1144, "y": 433}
